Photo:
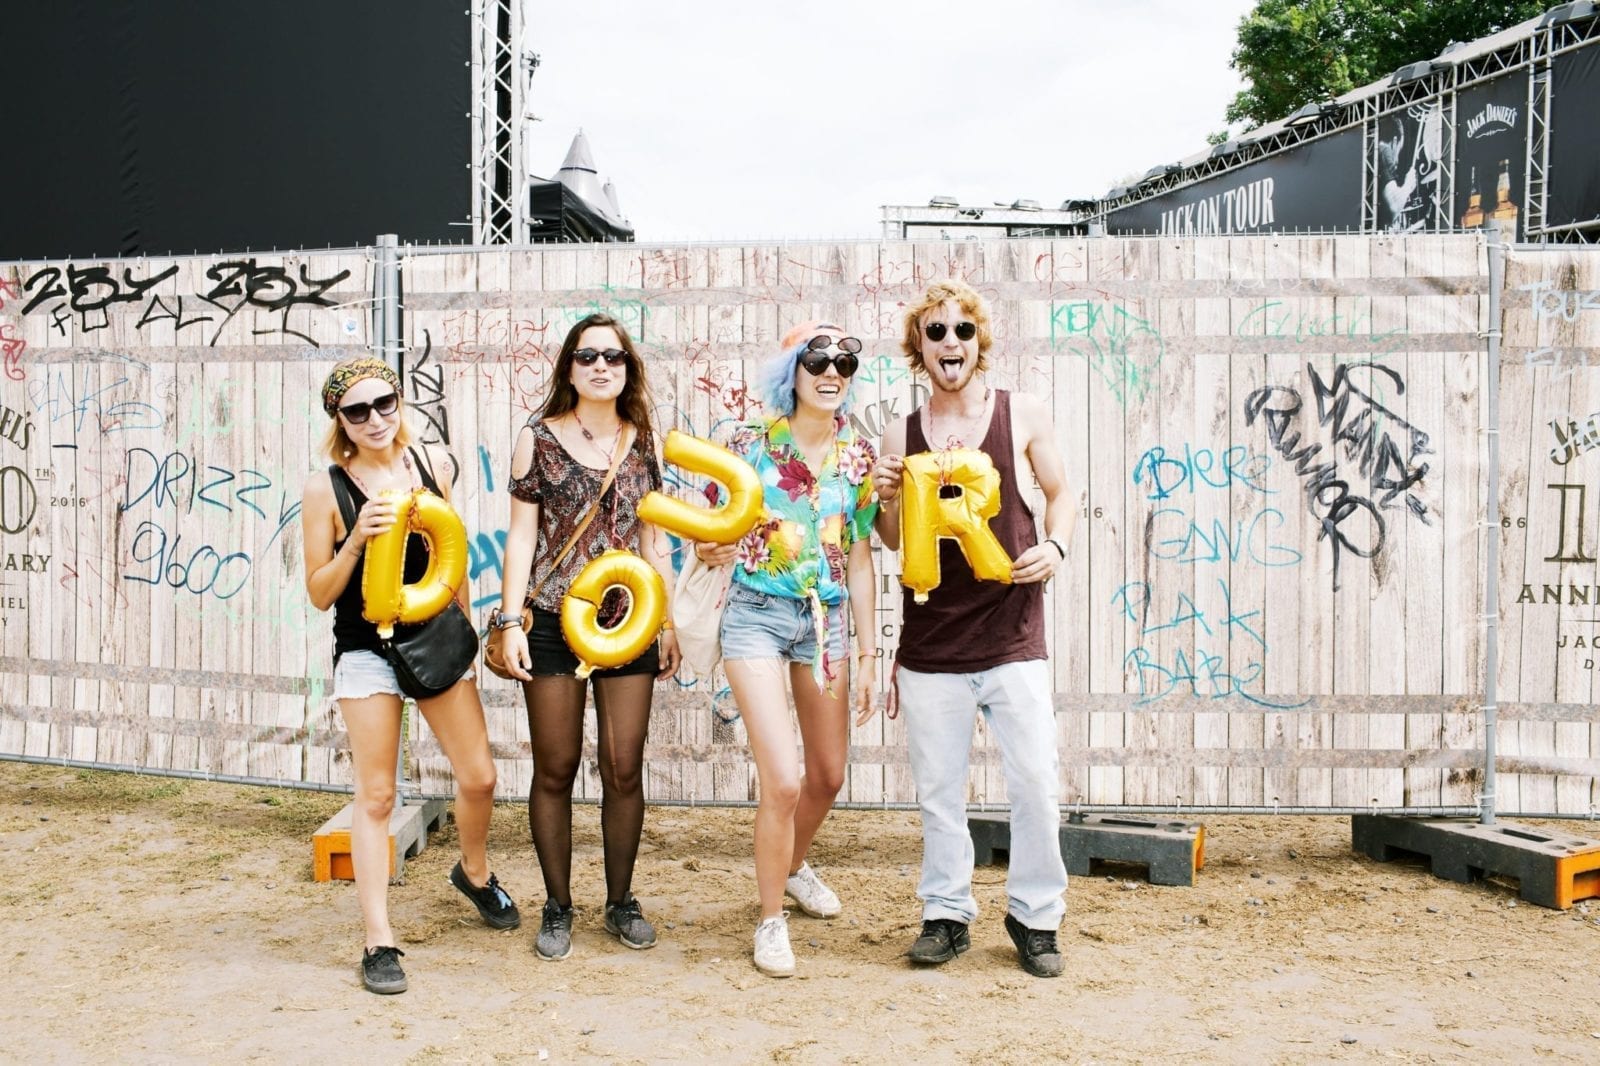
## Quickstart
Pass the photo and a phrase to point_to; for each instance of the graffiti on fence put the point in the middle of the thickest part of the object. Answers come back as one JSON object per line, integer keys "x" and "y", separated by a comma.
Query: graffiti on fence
{"x": 1123, "y": 350}
{"x": 1349, "y": 520}
{"x": 83, "y": 296}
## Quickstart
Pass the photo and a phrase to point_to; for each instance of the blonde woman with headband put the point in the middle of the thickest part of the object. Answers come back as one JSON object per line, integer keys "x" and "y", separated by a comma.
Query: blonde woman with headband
{"x": 371, "y": 452}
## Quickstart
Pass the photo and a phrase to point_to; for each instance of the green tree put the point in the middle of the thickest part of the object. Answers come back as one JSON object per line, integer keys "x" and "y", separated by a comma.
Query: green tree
{"x": 1294, "y": 52}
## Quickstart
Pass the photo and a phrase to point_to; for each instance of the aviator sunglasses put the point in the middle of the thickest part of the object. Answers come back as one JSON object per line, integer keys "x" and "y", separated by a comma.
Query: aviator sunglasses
{"x": 965, "y": 331}
{"x": 816, "y": 358}
{"x": 587, "y": 356}
{"x": 358, "y": 413}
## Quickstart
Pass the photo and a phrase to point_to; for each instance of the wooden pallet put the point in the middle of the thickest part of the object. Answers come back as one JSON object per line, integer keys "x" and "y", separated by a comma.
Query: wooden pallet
{"x": 409, "y": 827}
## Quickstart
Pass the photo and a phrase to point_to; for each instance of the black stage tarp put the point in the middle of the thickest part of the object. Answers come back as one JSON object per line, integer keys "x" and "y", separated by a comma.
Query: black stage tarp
{"x": 559, "y": 214}
{"x": 184, "y": 125}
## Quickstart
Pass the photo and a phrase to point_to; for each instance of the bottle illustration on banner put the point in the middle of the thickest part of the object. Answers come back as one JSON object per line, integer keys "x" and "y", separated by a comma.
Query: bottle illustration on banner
{"x": 1504, "y": 209}
{"x": 1473, "y": 218}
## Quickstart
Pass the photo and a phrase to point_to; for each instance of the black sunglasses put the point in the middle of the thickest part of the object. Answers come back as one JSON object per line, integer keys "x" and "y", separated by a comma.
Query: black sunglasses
{"x": 965, "y": 331}
{"x": 587, "y": 356}
{"x": 816, "y": 358}
{"x": 357, "y": 413}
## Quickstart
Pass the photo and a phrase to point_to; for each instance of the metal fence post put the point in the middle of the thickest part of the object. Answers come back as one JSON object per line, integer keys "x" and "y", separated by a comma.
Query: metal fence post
{"x": 1491, "y": 584}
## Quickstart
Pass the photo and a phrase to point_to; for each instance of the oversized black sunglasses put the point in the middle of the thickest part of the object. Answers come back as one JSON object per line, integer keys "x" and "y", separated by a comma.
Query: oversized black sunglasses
{"x": 965, "y": 331}
{"x": 816, "y": 358}
{"x": 587, "y": 356}
{"x": 357, "y": 413}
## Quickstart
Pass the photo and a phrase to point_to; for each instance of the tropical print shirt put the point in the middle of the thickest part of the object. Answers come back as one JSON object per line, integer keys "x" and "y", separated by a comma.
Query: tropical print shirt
{"x": 800, "y": 548}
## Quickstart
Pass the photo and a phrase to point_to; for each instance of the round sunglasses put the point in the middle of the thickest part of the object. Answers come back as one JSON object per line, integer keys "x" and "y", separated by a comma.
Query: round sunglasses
{"x": 965, "y": 331}
{"x": 587, "y": 356}
{"x": 816, "y": 358}
{"x": 358, "y": 413}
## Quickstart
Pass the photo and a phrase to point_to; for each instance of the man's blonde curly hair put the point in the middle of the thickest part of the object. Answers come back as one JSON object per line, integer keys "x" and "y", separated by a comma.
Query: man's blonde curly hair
{"x": 971, "y": 305}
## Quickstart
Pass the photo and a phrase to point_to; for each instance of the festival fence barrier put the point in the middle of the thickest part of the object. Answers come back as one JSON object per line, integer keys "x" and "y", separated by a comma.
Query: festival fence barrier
{"x": 1277, "y": 447}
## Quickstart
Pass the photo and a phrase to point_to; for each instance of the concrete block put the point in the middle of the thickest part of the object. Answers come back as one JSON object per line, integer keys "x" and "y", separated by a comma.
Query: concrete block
{"x": 1170, "y": 851}
{"x": 1552, "y": 869}
{"x": 409, "y": 827}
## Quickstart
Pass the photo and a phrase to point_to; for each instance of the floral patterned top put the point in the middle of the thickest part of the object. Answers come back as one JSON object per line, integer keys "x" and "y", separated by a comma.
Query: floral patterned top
{"x": 564, "y": 488}
{"x": 800, "y": 547}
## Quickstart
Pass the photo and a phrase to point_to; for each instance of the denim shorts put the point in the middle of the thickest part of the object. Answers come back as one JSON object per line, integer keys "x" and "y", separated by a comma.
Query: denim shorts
{"x": 547, "y": 647}
{"x": 758, "y": 625}
{"x": 359, "y": 674}
{"x": 363, "y": 673}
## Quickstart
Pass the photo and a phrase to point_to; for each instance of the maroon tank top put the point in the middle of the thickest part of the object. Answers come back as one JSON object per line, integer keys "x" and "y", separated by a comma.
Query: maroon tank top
{"x": 969, "y": 625}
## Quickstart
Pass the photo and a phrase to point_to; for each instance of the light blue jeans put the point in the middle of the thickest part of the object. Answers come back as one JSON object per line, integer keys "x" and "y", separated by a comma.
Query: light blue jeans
{"x": 941, "y": 710}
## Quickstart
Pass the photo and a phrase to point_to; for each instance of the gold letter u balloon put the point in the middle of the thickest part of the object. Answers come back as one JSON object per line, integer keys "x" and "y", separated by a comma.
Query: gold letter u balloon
{"x": 386, "y": 599}
{"x": 725, "y": 524}
{"x": 927, "y": 515}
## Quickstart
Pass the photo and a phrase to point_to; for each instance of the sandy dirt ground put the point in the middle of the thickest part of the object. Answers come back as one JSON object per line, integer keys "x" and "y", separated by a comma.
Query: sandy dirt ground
{"x": 148, "y": 919}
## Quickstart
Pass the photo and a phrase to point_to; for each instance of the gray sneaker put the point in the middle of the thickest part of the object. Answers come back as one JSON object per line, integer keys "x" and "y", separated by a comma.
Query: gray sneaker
{"x": 626, "y": 922}
{"x": 555, "y": 932}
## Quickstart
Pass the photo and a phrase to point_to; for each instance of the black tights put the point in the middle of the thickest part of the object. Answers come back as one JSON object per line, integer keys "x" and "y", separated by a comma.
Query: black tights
{"x": 555, "y": 724}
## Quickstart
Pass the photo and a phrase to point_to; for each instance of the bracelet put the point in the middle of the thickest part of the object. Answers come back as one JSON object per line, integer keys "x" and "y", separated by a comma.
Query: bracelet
{"x": 1057, "y": 546}
{"x": 667, "y": 626}
{"x": 867, "y": 653}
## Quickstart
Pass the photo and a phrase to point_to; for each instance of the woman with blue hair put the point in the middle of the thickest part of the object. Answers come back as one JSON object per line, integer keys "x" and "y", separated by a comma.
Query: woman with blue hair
{"x": 793, "y": 576}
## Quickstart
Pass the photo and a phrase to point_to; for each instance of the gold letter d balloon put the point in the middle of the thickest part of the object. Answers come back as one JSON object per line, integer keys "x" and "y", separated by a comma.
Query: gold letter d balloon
{"x": 927, "y": 515}
{"x": 386, "y": 599}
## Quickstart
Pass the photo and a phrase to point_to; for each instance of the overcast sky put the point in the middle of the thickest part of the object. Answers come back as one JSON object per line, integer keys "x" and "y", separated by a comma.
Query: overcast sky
{"x": 719, "y": 119}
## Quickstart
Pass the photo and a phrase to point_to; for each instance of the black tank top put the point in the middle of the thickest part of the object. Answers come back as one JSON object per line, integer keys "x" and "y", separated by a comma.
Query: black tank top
{"x": 969, "y": 625}
{"x": 352, "y": 632}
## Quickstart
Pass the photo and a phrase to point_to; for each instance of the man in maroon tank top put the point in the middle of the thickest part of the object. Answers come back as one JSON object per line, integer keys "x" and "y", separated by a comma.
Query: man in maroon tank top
{"x": 978, "y": 646}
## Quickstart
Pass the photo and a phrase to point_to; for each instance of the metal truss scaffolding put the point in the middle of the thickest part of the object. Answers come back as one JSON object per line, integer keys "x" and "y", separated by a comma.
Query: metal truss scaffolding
{"x": 501, "y": 69}
{"x": 1534, "y": 52}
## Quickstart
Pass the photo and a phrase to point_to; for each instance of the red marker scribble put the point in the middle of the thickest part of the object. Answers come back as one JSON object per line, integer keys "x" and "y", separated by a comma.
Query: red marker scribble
{"x": 12, "y": 347}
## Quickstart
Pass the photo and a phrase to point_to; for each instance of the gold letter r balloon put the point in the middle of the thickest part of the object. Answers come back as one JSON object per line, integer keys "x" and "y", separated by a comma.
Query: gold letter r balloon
{"x": 926, "y": 516}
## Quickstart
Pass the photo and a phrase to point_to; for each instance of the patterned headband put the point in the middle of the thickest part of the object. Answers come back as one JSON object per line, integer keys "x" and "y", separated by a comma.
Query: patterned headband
{"x": 347, "y": 373}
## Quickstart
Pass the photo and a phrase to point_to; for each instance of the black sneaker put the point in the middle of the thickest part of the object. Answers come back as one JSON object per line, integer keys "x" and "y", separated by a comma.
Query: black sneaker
{"x": 1036, "y": 948}
{"x": 626, "y": 922}
{"x": 942, "y": 939}
{"x": 491, "y": 900}
{"x": 555, "y": 932}
{"x": 381, "y": 972}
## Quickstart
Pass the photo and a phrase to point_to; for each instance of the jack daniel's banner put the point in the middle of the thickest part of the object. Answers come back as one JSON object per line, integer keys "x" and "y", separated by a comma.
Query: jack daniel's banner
{"x": 1491, "y": 153}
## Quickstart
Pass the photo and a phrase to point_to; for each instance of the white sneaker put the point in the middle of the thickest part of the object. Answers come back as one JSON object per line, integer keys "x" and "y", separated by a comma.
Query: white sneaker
{"x": 810, "y": 894}
{"x": 773, "y": 955}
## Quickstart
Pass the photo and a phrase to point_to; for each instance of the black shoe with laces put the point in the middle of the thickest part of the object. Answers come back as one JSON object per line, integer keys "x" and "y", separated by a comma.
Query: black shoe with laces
{"x": 942, "y": 939}
{"x": 1036, "y": 949}
{"x": 626, "y": 922}
{"x": 381, "y": 972}
{"x": 493, "y": 902}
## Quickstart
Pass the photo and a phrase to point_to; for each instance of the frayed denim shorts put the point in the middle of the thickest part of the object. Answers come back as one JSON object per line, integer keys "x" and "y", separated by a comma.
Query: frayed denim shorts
{"x": 359, "y": 674}
{"x": 758, "y": 625}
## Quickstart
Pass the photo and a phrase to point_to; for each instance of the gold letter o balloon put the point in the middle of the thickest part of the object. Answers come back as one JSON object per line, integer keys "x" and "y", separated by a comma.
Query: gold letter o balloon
{"x": 386, "y": 599}
{"x": 926, "y": 516}
{"x": 605, "y": 649}
{"x": 722, "y": 525}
